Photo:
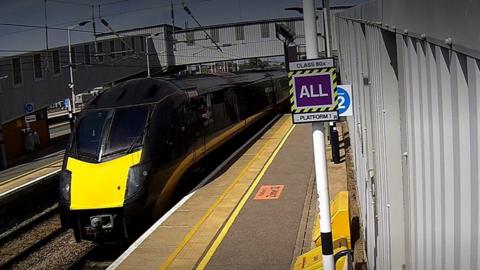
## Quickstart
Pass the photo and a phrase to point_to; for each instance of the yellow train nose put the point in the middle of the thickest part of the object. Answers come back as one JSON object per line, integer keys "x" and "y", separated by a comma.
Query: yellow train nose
{"x": 100, "y": 185}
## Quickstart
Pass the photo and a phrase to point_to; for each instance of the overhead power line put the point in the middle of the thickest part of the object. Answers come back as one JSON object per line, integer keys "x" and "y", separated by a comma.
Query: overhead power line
{"x": 189, "y": 12}
{"x": 103, "y": 15}
{"x": 43, "y": 27}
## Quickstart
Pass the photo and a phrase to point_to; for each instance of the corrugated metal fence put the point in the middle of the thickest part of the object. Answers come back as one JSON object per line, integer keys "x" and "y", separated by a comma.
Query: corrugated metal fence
{"x": 415, "y": 135}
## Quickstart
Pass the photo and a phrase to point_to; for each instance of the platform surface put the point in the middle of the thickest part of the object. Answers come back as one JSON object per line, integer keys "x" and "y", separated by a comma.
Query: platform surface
{"x": 24, "y": 174}
{"x": 229, "y": 224}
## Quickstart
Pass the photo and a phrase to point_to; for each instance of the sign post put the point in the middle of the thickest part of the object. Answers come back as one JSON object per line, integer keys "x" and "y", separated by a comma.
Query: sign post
{"x": 30, "y": 117}
{"x": 319, "y": 88}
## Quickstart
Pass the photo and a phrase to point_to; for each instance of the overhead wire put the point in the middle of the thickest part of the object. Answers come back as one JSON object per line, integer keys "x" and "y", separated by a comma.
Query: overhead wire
{"x": 103, "y": 15}
{"x": 43, "y": 27}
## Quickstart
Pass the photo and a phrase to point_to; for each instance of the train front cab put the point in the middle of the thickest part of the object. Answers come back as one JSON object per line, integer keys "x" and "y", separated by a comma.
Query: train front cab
{"x": 103, "y": 171}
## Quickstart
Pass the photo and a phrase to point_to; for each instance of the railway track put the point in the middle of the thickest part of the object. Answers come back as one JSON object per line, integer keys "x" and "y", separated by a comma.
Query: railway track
{"x": 41, "y": 243}
{"x": 98, "y": 257}
{"x": 57, "y": 249}
{"x": 27, "y": 224}
{"x": 18, "y": 243}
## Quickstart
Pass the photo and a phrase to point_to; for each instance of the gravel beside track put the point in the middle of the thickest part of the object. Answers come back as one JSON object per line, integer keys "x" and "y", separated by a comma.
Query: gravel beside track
{"x": 60, "y": 253}
{"x": 23, "y": 242}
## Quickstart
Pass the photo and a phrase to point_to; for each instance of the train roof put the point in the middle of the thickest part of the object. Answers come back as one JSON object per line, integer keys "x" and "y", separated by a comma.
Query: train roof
{"x": 134, "y": 92}
{"x": 214, "y": 82}
{"x": 153, "y": 90}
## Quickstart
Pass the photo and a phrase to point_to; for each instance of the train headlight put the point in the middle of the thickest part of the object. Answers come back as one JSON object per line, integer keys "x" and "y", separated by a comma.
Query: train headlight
{"x": 136, "y": 179}
{"x": 65, "y": 186}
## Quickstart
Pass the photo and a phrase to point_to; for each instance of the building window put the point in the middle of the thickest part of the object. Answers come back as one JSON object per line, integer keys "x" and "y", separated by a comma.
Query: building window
{"x": 291, "y": 26}
{"x": 215, "y": 34}
{"x": 132, "y": 44}
{"x": 74, "y": 57}
{"x": 112, "y": 48}
{"x": 265, "y": 30}
{"x": 190, "y": 38}
{"x": 239, "y": 33}
{"x": 142, "y": 44}
{"x": 100, "y": 52}
{"x": 17, "y": 71}
{"x": 56, "y": 62}
{"x": 86, "y": 54}
{"x": 37, "y": 66}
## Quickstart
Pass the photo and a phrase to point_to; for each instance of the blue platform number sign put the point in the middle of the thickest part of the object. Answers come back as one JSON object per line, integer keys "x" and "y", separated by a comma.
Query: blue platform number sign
{"x": 28, "y": 108}
{"x": 344, "y": 97}
{"x": 66, "y": 103}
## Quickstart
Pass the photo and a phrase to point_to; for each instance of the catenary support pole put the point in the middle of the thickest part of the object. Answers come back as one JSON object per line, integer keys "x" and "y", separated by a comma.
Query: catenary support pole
{"x": 321, "y": 175}
{"x": 326, "y": 21}
{"x": 94, "y": 28}
{"x": 71, "y": 108}
{"x": 148, "y": 56}
{"x": 328, "y": 48}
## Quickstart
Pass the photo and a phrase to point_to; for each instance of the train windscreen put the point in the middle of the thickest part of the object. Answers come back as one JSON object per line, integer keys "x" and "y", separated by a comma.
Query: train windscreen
{"x": 127, "y": 129}
{"x": 90, "y": 128}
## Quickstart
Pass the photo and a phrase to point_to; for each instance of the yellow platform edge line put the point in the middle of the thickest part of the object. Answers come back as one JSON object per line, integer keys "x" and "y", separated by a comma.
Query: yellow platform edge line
{"x": 203, "y": 263}
{"x": 210, "y": 210}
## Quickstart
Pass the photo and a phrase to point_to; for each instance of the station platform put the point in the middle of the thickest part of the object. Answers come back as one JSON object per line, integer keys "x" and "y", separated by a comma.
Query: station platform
{"x": 258, "y": 213}
{"x": 26, "y": 174}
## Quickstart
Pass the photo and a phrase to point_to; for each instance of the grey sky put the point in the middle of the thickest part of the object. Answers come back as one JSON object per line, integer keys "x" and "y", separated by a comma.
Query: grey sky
{"x": 125, "y": 14}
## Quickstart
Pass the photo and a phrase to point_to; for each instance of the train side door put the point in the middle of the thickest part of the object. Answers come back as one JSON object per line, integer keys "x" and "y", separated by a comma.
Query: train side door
{"x": 200, "y": 116}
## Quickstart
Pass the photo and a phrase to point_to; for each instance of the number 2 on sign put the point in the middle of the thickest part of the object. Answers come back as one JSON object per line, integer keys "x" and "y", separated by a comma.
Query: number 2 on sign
{"x": 341, "y": 103}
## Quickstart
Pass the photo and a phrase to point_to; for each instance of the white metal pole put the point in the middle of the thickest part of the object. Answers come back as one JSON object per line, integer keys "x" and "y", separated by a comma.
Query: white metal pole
{"x": 72, "y": 101}
{"x": 148, "y": 56}
{"x": 321, "y": 175}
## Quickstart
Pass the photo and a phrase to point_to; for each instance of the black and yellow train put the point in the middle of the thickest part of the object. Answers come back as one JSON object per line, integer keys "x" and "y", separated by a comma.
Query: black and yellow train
{"x": 132, "y": 144}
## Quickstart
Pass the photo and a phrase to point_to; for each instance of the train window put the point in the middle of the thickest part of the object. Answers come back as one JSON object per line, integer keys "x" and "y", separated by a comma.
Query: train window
{"x": 127, "y": 129}
{"x": 231, "y": 105}
{"x": 89, "y": 132}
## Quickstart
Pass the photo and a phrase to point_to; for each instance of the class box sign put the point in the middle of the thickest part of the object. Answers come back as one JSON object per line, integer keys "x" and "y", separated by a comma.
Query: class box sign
{"x": 312, "y": 90}
{"x": 312, "y": 64}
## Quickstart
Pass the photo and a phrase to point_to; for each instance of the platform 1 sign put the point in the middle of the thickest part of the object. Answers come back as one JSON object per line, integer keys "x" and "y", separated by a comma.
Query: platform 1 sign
{"x": 312, "y": 90}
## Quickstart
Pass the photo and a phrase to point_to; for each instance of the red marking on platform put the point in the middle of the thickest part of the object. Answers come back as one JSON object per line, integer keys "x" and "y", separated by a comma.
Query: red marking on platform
{"x": 269, "y": 192}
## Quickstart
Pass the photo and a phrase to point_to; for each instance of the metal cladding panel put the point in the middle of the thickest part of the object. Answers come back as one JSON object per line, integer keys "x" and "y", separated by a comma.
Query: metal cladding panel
{"x": 203, "y": 50}
{"x": 253, "y": 45}
{"x": 446, "y": 19}
{"x": 416, "y": 145}
{"x": 158, "y": 46}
